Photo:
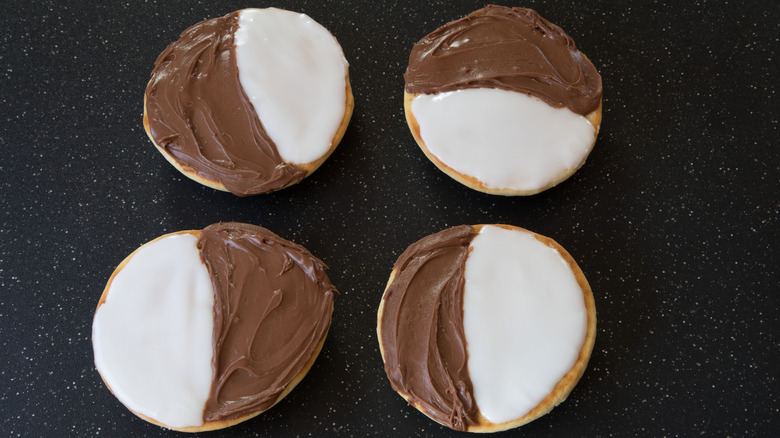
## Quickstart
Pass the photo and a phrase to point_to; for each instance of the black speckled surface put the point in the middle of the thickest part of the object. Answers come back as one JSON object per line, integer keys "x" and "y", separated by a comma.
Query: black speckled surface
{"x": 674, "y": 218}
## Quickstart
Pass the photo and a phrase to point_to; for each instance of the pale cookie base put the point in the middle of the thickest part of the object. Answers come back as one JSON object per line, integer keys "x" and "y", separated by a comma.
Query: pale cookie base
{"x": 310, "y": 167}
{"x": 220, "y": 424}
{"x": 564, "y": 386}
{"x": 594, "y": 118}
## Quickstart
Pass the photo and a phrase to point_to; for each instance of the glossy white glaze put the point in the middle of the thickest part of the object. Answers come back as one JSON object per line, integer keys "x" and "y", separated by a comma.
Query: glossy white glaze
{"x": 152, "y": 337}
{"x": 505, "y": 139}
{"x": 294, "y": 73}
{"x": 524, "y": 318}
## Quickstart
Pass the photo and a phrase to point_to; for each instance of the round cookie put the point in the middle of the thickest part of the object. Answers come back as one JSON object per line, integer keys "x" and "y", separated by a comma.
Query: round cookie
{"x": 203, "y": 329}
{"x": 502, "y": 101}
{"x": 485, "y": 328}
{"x": 251, "y": 102}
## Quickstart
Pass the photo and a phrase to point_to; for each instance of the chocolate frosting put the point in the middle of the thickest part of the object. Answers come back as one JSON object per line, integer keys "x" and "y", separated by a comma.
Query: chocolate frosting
{"x": 199, "y": 114}
{"x": 423, "y": 342}
{"x": 273, "y": 304}
{"x": 508, "y": 48}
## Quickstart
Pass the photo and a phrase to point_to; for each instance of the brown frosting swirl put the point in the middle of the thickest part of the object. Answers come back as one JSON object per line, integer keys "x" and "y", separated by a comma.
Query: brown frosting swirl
{"x": 508, "y": 48}
{"x": 199, "y": 114}
{"x": 273, "y": 304}
{"x": 421, "y": 328}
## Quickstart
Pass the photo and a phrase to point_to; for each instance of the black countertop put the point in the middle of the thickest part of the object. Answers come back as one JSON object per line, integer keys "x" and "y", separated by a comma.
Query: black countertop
{"x": 673, "y": 218}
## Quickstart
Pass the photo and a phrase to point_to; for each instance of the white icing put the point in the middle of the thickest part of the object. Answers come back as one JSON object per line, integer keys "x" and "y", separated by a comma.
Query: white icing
{"x": 505, "y": 139}
{"x": 294, "y": 73}
{"x": 524, "y": 319}
{"x": 152, "y": 337}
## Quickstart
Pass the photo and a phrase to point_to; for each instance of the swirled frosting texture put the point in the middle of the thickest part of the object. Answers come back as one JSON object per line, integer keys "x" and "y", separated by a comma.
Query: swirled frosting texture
{"x": 199, "y": 114}
{"x": 508, "y": 48}
{"x": 421, "y": 328}
{"x": 273, "y": 303}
